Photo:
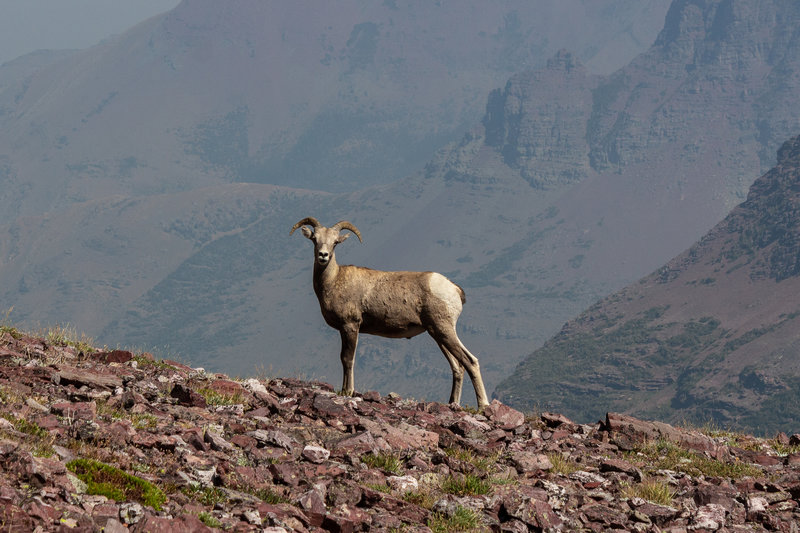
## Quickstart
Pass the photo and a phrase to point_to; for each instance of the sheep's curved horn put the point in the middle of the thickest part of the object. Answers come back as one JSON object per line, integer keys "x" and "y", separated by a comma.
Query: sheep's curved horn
{"x": 308, "y": 221}
{"x": 343, "y": 224}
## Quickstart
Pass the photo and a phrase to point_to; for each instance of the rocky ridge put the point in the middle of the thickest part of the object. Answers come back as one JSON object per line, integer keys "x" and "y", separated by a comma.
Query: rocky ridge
{"x": 172, "y": 448}
{"x": 711, "y": 335}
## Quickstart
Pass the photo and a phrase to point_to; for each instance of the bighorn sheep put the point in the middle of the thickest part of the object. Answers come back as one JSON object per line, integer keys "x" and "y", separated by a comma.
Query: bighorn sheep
{"x": 357, "y": 300}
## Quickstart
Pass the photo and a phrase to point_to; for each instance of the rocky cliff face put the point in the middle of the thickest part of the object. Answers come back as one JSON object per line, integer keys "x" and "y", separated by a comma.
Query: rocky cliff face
{"x": 117, "y": 441}
{"x": 707, "y": 87}
{"x": 709, "y": 336}
{"x": 544, "y": 137}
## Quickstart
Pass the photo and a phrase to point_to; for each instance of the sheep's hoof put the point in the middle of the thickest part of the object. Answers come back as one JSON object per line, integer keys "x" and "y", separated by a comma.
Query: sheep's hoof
{"x": 342, "y": 392}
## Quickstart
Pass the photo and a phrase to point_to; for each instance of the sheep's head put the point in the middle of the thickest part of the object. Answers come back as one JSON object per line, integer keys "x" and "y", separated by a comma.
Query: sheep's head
{"x": 325, "y": 239}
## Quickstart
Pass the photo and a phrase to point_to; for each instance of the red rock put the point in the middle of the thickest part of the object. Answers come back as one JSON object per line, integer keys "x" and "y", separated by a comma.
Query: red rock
{"x": 180, "y": 524}
{"x": 47, "y": 513}
{"x": 103, "y": 511}
{"x": 315, "y": 454}
{"x": 660, "y": 515}
{"x": 286, "y": 473}
{"x": 283, "y": 513}
{"x": 403, "y": 436}
{"x": 371, "y": 396}
{"x": 15, "y": 518}
{"x": 717, "y": 494}
{"x": 531, "y": 507}
{"x": 555, "y": 420}
{"x": 187, "y": 396}
{"x": 620, "y": 465}
{"x": 83, "y": 377}
{"x": 119, "y": 431}
{"x": 194, "y": 438}
{"x": 344, "y": 493}
{"x": 114, "y": 356}
{"x": 405, "y": 511}
{"x": 338, "y": 524}
{"x": 313, "y": 504}
{"x": 244, "y": 442}
{"x": 75, "y": 410}
{"x": 149, "y": 440}
{"x": 359, "y": 444}
{"x": 217, "y": 442}
{"x": 605, "y": 515}
{"x": 231, "y": 389}
{"x": 530, "y": 462}
{"x": 503, "y": 416}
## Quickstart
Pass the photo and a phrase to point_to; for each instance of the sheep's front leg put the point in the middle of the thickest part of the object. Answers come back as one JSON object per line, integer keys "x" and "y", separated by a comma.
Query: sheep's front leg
{"x": 349, "y": 336}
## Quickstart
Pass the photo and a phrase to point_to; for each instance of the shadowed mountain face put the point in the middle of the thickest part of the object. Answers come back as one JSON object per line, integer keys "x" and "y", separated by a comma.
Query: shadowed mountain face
{"x": 710, "y": 336}
{"x": 571, "y": 186}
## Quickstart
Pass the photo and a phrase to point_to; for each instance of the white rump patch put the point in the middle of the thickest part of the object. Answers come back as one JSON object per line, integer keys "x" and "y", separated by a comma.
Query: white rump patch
{"x": 446, "y": 290}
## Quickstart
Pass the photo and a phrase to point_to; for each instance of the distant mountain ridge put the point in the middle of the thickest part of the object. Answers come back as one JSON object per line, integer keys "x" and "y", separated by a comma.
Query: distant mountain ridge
{"x": 711, "y": 336}
{"x": 329, "y": 96}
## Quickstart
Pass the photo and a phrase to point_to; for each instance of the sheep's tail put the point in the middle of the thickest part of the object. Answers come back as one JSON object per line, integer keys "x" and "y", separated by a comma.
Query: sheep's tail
{"x": 461, "y": 293}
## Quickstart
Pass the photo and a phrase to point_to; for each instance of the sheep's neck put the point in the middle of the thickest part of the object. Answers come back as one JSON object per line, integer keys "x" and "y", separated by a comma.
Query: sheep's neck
{"x": 324, "y": 275}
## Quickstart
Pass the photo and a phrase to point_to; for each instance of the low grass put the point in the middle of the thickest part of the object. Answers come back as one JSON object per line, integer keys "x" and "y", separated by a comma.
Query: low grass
{"x": 481, "y": 463}
{"x": 268, "y": 496}
{"x": 111, "y": 482}
{"x": 784, "y": 449}
{"x": 655, "y": 491}
{"x": 380, "y": 487}
{"x": 463, "y": 519}
{"x": 386, "y": 461}
{"x": 209, "y": 519}
{"x": 209, "y": 496}
{"x": 664, "y": 454}
{"x": 422, "y": 498}
{"x": 562, "y": 465}
{"x": 66, "y": 335}
{"x": 465, "y": 485}
{"x": 37, "y": 440}
{"x": 216, "y": 398}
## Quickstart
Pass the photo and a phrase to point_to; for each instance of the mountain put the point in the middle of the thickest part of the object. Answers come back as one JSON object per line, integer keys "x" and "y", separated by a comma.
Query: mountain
{"x": 333, "y": 96}
{"x": 710, "y": 336}
{"x": 119, "y": 441}
{"x": 572, "y": 185}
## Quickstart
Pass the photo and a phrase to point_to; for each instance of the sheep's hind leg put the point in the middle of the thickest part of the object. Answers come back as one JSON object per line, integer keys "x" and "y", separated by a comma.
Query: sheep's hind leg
{"x": 348, "y": 357}
{"x": 449, "y": 339}
{"x": 458, "y": 375}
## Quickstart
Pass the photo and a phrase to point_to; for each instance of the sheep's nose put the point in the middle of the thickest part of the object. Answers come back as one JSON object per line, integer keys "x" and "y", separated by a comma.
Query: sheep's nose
{"x": 323, "y": 256}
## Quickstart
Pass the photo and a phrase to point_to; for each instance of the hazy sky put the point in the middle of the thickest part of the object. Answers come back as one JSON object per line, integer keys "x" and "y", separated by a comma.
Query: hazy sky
{"x": 28, "y": 25}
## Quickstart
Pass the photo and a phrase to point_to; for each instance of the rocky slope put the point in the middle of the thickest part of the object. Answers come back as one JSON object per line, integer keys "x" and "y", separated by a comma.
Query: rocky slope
{"x": 95, "y": 440}
{"x": 712, "y": 335}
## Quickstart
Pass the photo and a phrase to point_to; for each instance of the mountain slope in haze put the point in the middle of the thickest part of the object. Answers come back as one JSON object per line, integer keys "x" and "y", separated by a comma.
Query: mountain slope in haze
{"x": 331, "y": 96}
{"x": 714, "y": 335}
{"x": 517, "y": 213}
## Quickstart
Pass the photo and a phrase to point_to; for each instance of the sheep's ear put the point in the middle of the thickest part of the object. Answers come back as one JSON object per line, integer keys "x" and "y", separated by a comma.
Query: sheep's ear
{"x": 307, "y": 232}
{"x": 341, "y": 238}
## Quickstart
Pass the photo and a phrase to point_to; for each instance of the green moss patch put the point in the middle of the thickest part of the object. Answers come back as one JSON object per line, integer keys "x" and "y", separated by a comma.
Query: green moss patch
{"x": 113, "y": 483}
